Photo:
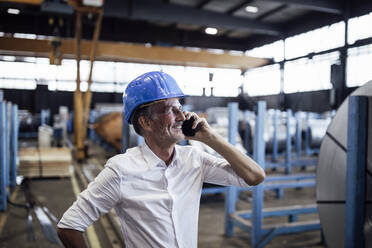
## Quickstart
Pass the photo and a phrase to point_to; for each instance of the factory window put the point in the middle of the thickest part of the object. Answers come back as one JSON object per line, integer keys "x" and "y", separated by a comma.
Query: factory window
{"x": 274, "y": 50}
{"x": 120, "y": 86}
{"x": 195, "y": 80}
{"x": 225, "y": 82}
{"x": 45, "y": 71}
{"x": 178, "y": 72}
{"x": 262, "y": 81}
{"x": 19, "y": 70}
{"x": 359, "y": 28}
{"x": 309, "y": 74}
{"x": 103, "y": 71}
{"x": 67, "y": 71}
{"x": 103, "y": 87}
{"x": 126, "y": 72}
{"x": 62, "y": 85}
{"x": 317, "y": 40}
{"x": 25, "y": 84}
{"x": 358, "y": 70}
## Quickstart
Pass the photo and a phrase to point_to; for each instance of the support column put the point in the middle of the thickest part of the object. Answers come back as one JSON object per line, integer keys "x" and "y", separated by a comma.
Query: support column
{"x": 14, "y": 146}
{"x": 7, "y": 141}
{"x": 246, "y": 131}
{"x": 275, "y": 137}
{"x": 288, "y": 146}
{"x": 356, "y": 171}
{"x": 232, "y": 191}
{"x": 298, "y": 135}
{"x": 307, "y": 136}
{"x": 258, "y": 191}
{"x": 78, "y": 101}
{"x": 3, "y": 169}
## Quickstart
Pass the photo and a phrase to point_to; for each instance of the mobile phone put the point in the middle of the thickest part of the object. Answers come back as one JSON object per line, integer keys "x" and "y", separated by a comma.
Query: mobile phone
{"x": 187, "y": 127}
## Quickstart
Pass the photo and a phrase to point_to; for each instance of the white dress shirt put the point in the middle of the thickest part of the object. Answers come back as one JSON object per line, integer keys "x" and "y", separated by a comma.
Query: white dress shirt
{"x": 158, "y": 206}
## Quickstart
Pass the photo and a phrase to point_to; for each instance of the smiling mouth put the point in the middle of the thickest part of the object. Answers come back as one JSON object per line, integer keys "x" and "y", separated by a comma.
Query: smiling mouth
{"x": 178, "y": 126}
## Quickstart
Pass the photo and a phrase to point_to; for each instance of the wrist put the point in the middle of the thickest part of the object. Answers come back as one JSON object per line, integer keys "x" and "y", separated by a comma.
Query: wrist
{"x": 211, "y": 138}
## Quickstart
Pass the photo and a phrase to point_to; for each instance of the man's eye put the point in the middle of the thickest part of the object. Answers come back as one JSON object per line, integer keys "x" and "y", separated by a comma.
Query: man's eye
{"x": 176, "y": 109}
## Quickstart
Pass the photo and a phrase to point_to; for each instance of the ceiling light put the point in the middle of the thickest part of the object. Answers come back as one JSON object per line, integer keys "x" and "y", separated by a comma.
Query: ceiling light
{"x": 13, "y": 11}
{"x": 251, "y": 9}
{"x": 211, "y": 31}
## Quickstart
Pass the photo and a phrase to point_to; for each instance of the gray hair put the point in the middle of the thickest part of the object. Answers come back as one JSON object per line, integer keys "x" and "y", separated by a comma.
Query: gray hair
{"x": 141, "y": 111}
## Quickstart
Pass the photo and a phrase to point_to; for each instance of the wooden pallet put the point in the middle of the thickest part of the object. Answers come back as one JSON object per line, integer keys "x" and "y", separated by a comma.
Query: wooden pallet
{"x": 44, "y": 162}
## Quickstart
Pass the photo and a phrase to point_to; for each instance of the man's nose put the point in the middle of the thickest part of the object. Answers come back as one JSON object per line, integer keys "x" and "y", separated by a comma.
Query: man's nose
{"x": 180, "y": 116}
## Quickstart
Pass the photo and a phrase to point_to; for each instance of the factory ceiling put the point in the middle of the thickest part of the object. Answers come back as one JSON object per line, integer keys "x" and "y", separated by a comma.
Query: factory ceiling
{"x": 240, "y": 24}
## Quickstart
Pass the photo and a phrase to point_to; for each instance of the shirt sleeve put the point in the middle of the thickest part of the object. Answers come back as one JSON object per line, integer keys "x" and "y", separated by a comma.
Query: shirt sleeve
{"x": 100, "y": 196}
{"x": 219, "y": 171}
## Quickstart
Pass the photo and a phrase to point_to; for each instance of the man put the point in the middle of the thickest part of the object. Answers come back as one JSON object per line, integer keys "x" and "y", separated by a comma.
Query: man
{"x": 155, "y": 188}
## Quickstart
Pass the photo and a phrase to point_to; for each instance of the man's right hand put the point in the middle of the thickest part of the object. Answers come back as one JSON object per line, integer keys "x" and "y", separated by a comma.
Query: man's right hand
{"x": 72, "y": 238}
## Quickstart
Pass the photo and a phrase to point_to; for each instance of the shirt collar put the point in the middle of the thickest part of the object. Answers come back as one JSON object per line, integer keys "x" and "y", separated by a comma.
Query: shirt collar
{"x": 175, "y": 156}
{"x": 153, "y": 160}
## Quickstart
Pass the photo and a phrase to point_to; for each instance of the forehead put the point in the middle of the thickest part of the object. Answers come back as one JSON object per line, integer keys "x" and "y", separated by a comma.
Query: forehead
{"x": 168, "y": 103}
{"x": 164, "y": 105}
{"x": 172, "y": 102}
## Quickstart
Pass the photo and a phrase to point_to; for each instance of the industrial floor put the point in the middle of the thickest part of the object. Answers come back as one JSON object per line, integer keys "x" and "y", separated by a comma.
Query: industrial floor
{"x": 57, "y": 194}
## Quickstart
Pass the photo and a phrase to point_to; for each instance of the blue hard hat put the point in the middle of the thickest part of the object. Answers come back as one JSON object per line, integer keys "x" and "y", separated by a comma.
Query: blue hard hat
{"x": 149, "y": 87}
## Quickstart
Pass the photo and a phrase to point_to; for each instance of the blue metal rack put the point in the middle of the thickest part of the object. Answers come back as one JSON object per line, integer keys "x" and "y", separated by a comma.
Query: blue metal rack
{"x": 274, "y": 183}
{"x": 356, "y": 171}
{"x": 290, "y": 160}
{"x": 232, "y": 132}
{"x": 275, "y": 137}
{"x": 251, "y": 221}
{"x": 8, "y": 150}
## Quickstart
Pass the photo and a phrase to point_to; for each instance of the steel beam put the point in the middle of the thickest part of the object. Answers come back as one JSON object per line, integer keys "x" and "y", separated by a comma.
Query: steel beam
{"x": 115, "y": 51}
{"x": 31, "y": 2}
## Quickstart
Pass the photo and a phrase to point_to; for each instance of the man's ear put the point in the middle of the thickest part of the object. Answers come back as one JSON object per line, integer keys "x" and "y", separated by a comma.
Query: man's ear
{"x": 145, "y": 123}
